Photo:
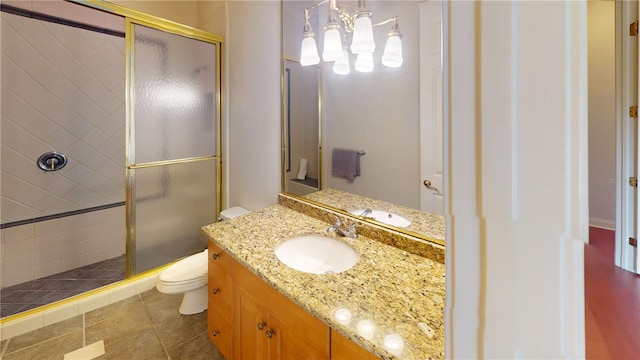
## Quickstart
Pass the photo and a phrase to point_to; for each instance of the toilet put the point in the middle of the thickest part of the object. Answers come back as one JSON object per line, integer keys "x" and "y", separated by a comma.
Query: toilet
{"x": 189, "y": 275}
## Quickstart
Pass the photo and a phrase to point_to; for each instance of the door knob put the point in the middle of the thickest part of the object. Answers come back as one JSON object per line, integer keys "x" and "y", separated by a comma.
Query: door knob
{"x": 427, "y": 183}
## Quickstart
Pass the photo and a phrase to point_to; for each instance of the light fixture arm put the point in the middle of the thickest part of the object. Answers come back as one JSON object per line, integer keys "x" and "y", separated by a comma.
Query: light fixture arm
{"x": 393, "y": 19}
{"x": 306, "y": 10}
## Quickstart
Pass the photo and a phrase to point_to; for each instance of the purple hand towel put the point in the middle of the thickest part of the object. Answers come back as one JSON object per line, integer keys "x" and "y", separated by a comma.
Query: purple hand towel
{"x": 346, "y": 163}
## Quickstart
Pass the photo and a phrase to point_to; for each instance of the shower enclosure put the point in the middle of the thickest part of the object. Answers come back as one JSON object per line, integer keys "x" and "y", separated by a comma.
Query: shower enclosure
{"x": 132, "y": 104}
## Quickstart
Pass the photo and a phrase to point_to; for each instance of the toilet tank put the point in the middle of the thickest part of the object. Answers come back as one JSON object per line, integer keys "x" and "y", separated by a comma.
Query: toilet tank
{"x": 233, "y": 212}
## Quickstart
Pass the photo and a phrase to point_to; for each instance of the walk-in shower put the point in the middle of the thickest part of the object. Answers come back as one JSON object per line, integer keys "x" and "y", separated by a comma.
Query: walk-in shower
{"x": 110, "y": 149}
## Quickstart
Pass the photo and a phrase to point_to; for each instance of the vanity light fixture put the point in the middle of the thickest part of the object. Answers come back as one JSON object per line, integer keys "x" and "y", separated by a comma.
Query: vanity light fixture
{"x": 357, "y": 24}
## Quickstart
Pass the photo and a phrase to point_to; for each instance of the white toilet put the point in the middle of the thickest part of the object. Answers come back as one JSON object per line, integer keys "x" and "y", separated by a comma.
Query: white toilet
{"x": 189, "y": 275}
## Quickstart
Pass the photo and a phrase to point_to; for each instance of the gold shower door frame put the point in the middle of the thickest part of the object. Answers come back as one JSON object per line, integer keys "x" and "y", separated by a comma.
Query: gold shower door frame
{"x": 133, "y": 18}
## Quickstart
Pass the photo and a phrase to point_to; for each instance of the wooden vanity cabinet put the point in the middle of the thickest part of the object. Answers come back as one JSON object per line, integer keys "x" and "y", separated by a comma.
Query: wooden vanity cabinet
{"x": 345, "y": 349}
{"x": 272, "y": 326}
{"x": 220, "y": 300}
{"x": 249, "y": 319}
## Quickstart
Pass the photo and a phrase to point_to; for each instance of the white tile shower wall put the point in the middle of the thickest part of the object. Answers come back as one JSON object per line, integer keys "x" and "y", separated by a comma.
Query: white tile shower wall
{"x": 48, "y": 247}
{"x": 63, "y": 90}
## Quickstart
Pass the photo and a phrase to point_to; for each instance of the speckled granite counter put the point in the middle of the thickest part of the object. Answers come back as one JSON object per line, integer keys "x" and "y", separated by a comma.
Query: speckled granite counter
{"x": 416, "y": 244}
{"x": 426, "y": 224}
{"x": 395, "y": 289}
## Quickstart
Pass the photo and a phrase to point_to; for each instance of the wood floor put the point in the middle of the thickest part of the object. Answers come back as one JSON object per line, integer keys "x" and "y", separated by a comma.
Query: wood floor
{"x": 612, "y": 302}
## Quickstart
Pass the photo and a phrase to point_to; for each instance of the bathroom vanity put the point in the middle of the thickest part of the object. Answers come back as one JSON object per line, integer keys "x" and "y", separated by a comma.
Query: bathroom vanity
{"x": 389, "y": 305}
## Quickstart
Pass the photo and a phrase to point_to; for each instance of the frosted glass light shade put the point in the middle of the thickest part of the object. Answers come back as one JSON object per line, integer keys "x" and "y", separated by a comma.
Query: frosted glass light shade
{"x": 363, "y": 35}
{"x": 332, "y": 50}
{"x": 309, "y": 52}
{"x": 392, "y": 56}
{"x": 342, "y": 66}
{"x": 364, "y": 62}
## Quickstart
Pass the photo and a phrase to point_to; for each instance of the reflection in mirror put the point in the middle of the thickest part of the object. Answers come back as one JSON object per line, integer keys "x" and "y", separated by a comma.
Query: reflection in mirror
{"x": 301, "y": 123}
{"x": 393, "y": 114}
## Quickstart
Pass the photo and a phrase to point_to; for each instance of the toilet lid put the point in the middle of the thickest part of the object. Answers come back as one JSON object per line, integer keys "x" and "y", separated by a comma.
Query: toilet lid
{"x": 192, "y": 267}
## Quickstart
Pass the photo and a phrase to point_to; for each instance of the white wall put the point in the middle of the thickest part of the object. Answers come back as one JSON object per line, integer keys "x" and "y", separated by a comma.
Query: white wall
{"x": 252, "y": 161}
{"x": 517, "y": 207}
{"x": 602, "y": 112}
{"x": 378, "y": 112}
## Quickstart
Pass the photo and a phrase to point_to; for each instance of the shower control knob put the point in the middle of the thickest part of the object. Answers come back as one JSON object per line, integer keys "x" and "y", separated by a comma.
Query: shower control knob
{"x": 215, "y": 256}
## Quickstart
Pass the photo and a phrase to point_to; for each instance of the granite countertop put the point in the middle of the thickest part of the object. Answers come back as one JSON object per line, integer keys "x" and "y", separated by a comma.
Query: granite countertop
{"x": 426, "y": 224}
{"x": 395, "y": 289}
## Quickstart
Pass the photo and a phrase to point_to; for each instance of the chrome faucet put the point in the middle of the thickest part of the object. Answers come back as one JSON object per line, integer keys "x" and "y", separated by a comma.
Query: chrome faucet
{"x": 349, "y": 232}
{"x": 366, "y": 212}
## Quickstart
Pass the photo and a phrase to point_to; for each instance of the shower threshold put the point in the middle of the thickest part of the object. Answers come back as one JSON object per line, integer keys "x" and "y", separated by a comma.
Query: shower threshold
{"x": 32, "y": 294}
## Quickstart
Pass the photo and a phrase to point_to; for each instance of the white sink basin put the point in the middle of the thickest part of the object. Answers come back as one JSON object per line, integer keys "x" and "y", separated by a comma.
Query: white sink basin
{"x": 384, "y": 217}
{"x": 316, "y": 254}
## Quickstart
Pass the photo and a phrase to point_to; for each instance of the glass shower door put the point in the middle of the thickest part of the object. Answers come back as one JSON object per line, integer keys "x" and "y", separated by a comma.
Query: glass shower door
{"x": 173, "y": 160}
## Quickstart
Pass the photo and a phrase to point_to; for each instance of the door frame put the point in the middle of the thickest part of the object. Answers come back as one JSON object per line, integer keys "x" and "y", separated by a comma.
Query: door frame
{"x": 626, "y": 137}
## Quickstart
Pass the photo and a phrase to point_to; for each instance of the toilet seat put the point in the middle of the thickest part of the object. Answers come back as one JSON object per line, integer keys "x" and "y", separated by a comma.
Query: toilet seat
{"x": 188, "y": 269}
{"x": 185, "y": 282}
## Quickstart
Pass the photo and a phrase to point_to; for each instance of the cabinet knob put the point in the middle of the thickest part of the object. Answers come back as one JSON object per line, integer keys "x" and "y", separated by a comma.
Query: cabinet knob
{"x": 215, "y": 256}
{"x": 261, "y": 325}
{"x": 270, "y": 333}
{"x": 215, "y": 291}
{"x": 215, "y": 333}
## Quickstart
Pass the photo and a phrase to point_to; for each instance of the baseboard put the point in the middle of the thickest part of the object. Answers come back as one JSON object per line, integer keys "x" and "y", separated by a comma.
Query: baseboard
{"x": 602, "y": 223}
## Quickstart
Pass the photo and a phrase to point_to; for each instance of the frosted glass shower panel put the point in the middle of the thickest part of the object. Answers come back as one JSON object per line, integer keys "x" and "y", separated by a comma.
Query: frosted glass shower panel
{"x": 172, "y": 202}
{"x": 175, "y": 96}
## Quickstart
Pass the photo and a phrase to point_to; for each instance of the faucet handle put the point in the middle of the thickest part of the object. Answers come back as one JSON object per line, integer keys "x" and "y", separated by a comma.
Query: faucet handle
{"x": 336, "y": 225}
{"x": 351, "y": 232}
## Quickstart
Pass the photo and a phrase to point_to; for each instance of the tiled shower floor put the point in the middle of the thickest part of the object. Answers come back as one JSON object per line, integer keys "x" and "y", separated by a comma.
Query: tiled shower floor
{"x": 39, "y": 292}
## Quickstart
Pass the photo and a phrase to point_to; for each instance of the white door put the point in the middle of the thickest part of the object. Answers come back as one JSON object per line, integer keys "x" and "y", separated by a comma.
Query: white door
{"x": 431, "y": 135}
{"x": 627, "y": 220}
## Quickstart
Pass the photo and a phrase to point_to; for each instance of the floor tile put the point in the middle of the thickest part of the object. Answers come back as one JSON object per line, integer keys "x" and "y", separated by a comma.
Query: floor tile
{"x": 45, "y": 334}
{"x": 145, "y": 326}
{"x": 141, "y": 345}
{"x": 198, "y": 348}
{"x": 12, "y": 309}
{"x": 29, "y": 295}
{"x": 52, "y": 349}
{"x": 180, "y": 328}
{"x": 117, "y": 327}
{"x": 131, "y": 304}
{"x": 161, "y": 306}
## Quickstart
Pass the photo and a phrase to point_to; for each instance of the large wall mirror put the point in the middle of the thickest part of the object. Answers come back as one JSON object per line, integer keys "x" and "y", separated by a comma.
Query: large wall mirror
{"x": 301, "y": 128}
{"x": 390, "y": 116}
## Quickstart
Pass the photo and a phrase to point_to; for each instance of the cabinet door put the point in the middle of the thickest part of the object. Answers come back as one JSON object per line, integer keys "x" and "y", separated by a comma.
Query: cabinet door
{"x": 286, "y": 343}
{"x": 251, "y": 342}
{"x": 345, "y": 349}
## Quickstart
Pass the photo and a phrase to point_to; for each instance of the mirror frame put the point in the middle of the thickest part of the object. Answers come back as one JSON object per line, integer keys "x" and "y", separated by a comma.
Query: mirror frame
{"x": 284, "y": 150}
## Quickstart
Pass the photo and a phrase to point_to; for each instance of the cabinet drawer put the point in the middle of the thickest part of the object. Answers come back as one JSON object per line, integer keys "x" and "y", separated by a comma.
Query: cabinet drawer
{"x": 219, "y": 258}
{"x": 220, "y": 331}
{"x": 220, "y": 285}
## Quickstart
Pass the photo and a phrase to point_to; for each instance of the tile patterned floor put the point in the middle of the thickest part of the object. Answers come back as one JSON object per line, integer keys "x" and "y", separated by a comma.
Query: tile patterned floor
{"x": 32, "y": 294}
{"x": 146, "y": 326}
